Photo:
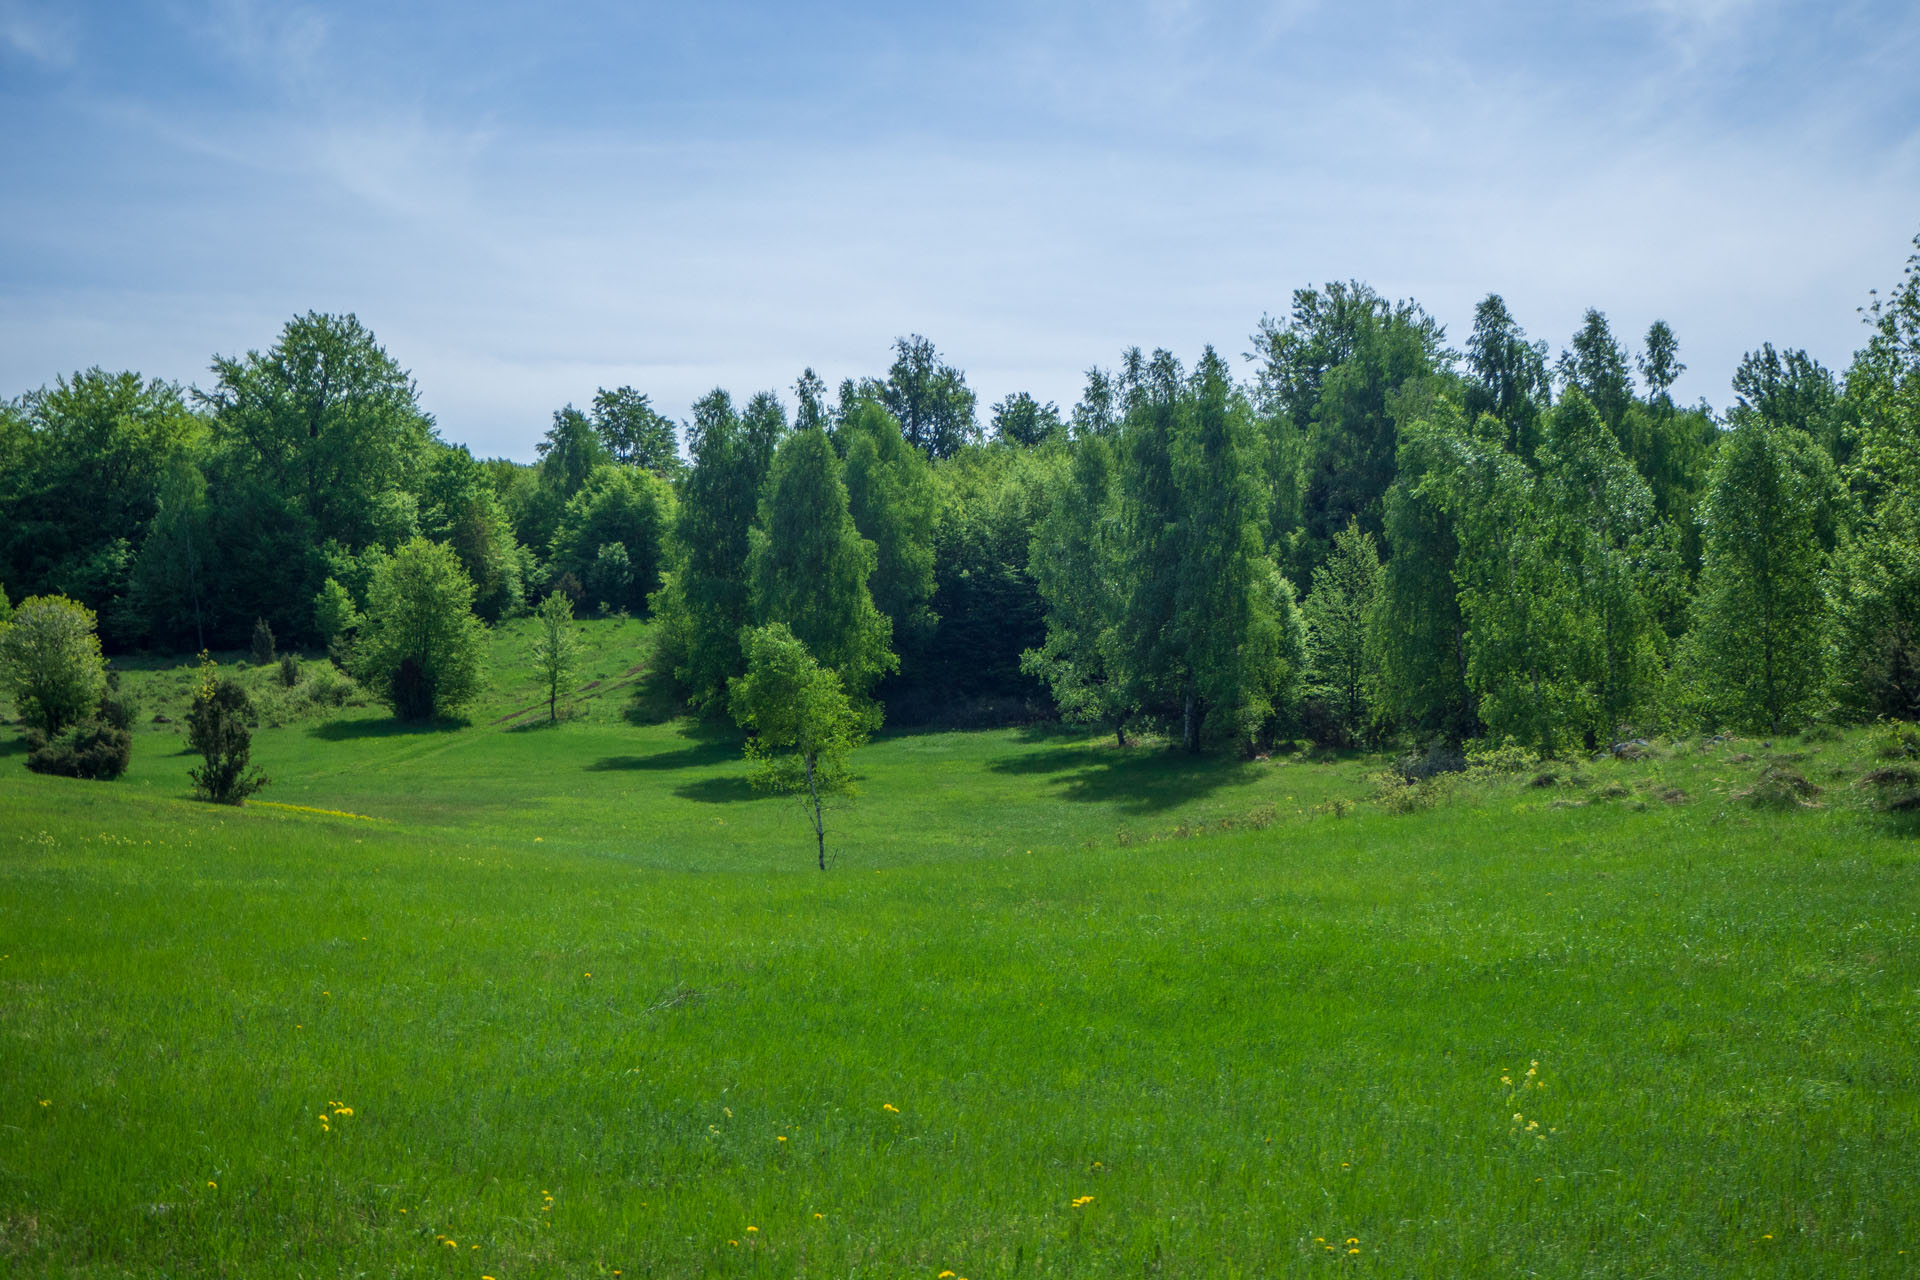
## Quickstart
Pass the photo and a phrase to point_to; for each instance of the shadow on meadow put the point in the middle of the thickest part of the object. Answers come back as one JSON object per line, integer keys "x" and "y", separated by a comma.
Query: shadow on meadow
{"x": 383, "y": 727}
{"x": 13, "y": 745}
{"x": 723, "y": 790}
{"x": 702, "y": 755}
{"x": 1139, "y": 779}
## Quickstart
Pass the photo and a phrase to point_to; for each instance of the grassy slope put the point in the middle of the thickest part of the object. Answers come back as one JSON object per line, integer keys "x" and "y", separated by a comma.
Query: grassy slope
{"x": 1238, "y": 1044}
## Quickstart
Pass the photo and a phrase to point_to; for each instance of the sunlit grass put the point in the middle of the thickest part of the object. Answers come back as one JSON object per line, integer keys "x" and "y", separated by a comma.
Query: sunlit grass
{"x": 592, "y": 1017}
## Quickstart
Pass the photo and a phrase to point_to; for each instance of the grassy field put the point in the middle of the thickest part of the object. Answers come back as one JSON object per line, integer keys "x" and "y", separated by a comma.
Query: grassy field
{"x": 570, "y": 1001}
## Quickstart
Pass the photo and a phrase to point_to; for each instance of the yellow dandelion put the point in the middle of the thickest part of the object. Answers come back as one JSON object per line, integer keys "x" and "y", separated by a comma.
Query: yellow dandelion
{"x": 944, "y": 1275}
{"x": 753, "y": 1228}
{"x": 780, "y": 1137}
{"x": 734, "y": 1243}
{"x": 1319, "y": 1239}
{"x": 885, "y": 1106}
{"x": 214, "y": 1185}
{"x": 46, "y": 1102}
{"x": 589, "y": 975}
{"x": 819, "y": 1215}
{"x": 1506, "y": 1079}
{"x": 453, "y": 1244}
{"x": 1766, "y": 1237}
{"x": 1353, "y": 1239}
{"x": 1351, "y": 1252}
{"x": 728, "y": 1111}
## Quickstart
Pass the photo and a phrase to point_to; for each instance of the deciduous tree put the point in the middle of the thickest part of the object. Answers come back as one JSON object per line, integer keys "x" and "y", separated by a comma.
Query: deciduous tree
{"x": 804, "y": 727}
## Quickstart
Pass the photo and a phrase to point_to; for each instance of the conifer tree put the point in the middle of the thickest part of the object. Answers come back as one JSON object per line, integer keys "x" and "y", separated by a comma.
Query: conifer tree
{"x": 1419, "y": 633}
{"x": 809, "y": 566}
{"x": 1758, "y": 650}
{"x": 1340, "y": 616}
{"x": 705, "y": 601}
{"x": 1603, "y": 528}
{"x": 1075, "y": 559}
{"x": 893, "y": 501}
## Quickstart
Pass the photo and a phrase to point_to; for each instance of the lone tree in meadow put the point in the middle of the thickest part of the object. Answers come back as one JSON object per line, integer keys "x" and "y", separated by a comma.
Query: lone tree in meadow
{"x": 50, "y": 661}
{"x": 803, "y": 724}
{"x": 556, "y": 650}
{"x": 220, "y": 728}
{"x": 420, "y": 646}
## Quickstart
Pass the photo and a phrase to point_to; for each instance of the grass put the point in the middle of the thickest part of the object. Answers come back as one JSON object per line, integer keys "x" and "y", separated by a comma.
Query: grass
{"x": 576, "y": 984}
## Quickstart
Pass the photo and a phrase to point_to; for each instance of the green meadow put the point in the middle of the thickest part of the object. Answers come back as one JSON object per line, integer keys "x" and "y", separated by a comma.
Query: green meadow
{"x": 511, "y": 1000}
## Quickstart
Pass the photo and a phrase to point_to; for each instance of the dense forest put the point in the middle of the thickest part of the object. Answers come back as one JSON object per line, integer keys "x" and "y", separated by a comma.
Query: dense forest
{"x": 1370, "y": 536}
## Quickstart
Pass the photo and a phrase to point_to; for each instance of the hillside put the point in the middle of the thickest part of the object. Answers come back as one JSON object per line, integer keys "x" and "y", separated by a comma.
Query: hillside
{"x": 570, "y": 1001}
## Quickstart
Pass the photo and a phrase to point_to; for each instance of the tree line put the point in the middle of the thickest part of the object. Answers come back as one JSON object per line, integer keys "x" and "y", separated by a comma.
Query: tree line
{"x": 1369, "y": 535}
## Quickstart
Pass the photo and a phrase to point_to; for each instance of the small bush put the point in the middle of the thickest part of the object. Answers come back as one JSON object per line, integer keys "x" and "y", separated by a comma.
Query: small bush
{"x": 329, "y": 687}
{"x": 94, "y": 749}
{"x": 289, "y": 670}
{"x": 1485, "y": 758}
{"x": 1439, "y": 757}
{"x": 1894, "y": 788}
{"x": 1780, "y": 788}
{"x": 1897, "y": 740}
{"x": 263, "y": 649}
{"x": 220, "y": 729}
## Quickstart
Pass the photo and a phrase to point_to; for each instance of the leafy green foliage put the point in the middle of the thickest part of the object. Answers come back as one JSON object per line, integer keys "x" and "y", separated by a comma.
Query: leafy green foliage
{"x": 622, "y": 507}
{"x": 1021, "y": 420}
{"x": 1596, "y": 365}
{"x": 1076, "y": 561}
{"x": 804, "y": 727}
{"x": 93, "y": 748}
{"x": 261, "y": 646}
{"x": 329, "y": 423}
{"x": 1339, "y": 616}
{"x": 83, "y": 464}
{"x": 634, "y": 433}
{"x": 1757, "y": 656}
{"x": 705, "y": 600}
{"x": 556, "y": 649}
{"x": 420, "y": 647}
{"x": 929, "y": 399}
{"x": 458, "y": 506}
{"x": 50, "y": 660}
{"x": 221, "y": 730}
{"x": 808, "y": 565}
{"x": 333, "y": 611}
{"x": 894, "y": 502}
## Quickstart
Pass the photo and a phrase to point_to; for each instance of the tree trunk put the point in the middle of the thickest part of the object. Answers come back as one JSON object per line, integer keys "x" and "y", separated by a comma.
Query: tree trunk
{"x": 1189, "y": 732}
{"x": 819, "y": 827}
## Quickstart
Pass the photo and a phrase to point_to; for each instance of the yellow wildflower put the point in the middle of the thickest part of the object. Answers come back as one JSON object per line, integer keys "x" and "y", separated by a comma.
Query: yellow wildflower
{"x": 753, "y": 1228}
{"x": 214, "y": 1185}
{"x": 888, "y": 1106}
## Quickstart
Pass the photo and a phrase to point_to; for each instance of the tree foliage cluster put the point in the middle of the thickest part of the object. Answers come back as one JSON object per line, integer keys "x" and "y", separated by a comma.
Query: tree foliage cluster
{"x": 1361, "y": 532}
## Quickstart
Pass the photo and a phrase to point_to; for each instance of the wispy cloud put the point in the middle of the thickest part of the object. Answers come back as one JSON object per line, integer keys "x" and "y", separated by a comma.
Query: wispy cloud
{"x": 37, "y": 33}
{"x": 524, "y": 210}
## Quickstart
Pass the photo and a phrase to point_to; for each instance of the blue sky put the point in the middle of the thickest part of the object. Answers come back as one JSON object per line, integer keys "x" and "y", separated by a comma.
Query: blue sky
{"x": 525, "y": 206}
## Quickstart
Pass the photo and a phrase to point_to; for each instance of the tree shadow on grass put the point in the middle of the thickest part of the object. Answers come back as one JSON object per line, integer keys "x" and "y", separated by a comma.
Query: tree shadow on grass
{"x": 12, "y": 745}
{"x": 724, "y": 790}
{"x": 384, "y": 727}
{"x": 701, "y": 755}
{"x": 1137, "y": 780}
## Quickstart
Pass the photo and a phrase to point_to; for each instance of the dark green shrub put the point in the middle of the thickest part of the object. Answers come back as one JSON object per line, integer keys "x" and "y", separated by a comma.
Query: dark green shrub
{"x": 289, "y": 670}
{"x": 220, "y": 728}
{"x": 93, "y": 749}
{"x": 262, "y": 642}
